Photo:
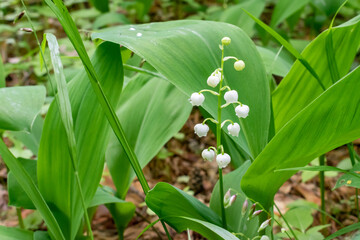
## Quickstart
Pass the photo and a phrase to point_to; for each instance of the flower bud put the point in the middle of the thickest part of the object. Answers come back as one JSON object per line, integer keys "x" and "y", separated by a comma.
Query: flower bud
{"x": 264, "y": 237}
{"x": 223, "y": 160}
{"x": 264, "y": 225}
{"x": 197, "y": 99}
{"x": 19, "y": 17}
{"x": 239, "y": 65}
{"x": 208, "y": 154}
{"x": 242, "y": 111}
{"x": 244, "y": 206}
{"x": 213, "y": 80}
{"x": 228, "y": 199}
{"x": 234, "y": 129}
{"x": 256, "y": 213}
{"x": 26, "y": 29}
{"x": 226, "y": 41}
{"x": 201, "y": 129}
{"x": 231, "y": 96}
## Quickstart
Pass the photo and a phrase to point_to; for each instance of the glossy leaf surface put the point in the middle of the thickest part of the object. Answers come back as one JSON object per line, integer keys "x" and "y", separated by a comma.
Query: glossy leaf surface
{"x": 195, "y": 57}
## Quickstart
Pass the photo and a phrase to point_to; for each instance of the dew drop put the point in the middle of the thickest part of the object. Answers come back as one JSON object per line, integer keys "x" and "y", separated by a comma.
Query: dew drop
{"x": 132, "y": 29}
{"x": 139, "y": 34}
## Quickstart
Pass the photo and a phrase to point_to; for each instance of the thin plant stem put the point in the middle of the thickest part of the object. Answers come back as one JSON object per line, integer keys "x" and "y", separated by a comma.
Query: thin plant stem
{"x": 21, "y": 221}
{"x": 166, "y": 230}
{"x": 350, "y": 147}
{"x": 218, "y": 141}
{"x": 72, "y": 154}
{"x": 322, "y": 189}
{"x": 286, "y": 222}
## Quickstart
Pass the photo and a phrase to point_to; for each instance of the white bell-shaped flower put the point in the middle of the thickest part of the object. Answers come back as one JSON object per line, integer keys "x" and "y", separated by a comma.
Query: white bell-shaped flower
{"x": 242, "y": 111}
{"x": 231, "y": 96}
{"x": 239, "y": 65}
{"x": 196, "y": 99}
{"x": 234, "y": 129}
{"x": 226, "y": 41}
{"x": 201, "y": 129}
{"x": 213, "y": 81}
{"x": 208, "y": 154}
{"x": 223, "y": 160}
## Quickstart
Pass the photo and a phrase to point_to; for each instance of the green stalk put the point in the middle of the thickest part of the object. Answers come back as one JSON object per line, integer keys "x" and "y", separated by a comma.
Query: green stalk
{"x": 350, "y": 147}
{"x": 71, "y": 137}
{"x": 21, "y": 221}
{"x": 218, "y": 141}
{"x": 286, "y": 222}
{"x": 322, "y": 189}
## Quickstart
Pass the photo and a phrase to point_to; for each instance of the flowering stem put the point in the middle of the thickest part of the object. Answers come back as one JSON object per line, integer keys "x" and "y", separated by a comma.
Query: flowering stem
{"x": 218, "y": 140}
{"x": 210, "y": 91}
{"x": 210, "y": 119}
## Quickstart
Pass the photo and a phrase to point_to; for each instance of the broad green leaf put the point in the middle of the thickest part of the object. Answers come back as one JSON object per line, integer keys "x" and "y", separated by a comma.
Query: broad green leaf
{"x": 19, "y": 107}
{"x": 103, "y": 196}
{"x": 55, "y": 177}
{"x": 236, "y": 220}
{"x": 331, "y": 120}
{"x": 284, "y": 9}
{"x": 187, "y": 52}
{"x": 122, "y": 213}
{"x": 235, "y": 16}
{"x": 11, "y": 233}
{"x": 329, "y": 7}
{"x": 168, "y": 201}
{"x": 101, "y": 5}
{"x": 17, "y": 196}
{"x": 2, "y": 74}
{"x": 290, "y": 97}
{"x": 299, "y": 218}
{"x": 110, "y": 18}
{"x": 151, "y": 111}
{"x": 31, "y": 190}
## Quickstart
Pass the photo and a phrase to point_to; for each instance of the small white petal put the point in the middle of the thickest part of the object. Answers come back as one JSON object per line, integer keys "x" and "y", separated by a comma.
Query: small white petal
{"x": 239, "y": 65}
{"x": 201, "y": 129}
{"x": 223, "y": 160}
{"x": 234, "y": 129}
{"x": 242, "y": 111}
{"x": 231, "y": 96}
{"x": 196, "y": 99}
{"x": 208, "y": 154}
{"x": 213, "y": 81}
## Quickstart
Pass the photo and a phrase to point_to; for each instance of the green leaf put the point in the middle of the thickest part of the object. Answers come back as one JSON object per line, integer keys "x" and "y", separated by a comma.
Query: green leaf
{"x": 17, "y": 196}
{"x": 235, "y": 16}
{"x": 331, "y": 120}
{"x": 206, "y": 229}
{"x": 168, "y": 201}
{"x": 103, "y": 196}
{"x": 55, "y": 177}
{"x": 149, "y": 120}
{"x": 236, "y": 220}
{"x": 344, "y": 230}
{"x": 11, "y": 233}
{"x": 350, "y": 179}
{"x": 122, "y": 213}
{"x": 19, "y": 107}
{"x": 2, "y": 74}
{"x": 195, "y": 57}
{"x": 101, "y": 5}
{"x": 277, "y": 65}
{"x": 299, "y": 218}
{"x": 290, "y": 96}
{"x": 284, "y": 9}
{"x": 31, "y": 190}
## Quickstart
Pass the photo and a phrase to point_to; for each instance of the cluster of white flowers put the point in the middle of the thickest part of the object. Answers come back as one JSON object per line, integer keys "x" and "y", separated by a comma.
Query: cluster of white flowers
{"x": 230, "y": 97}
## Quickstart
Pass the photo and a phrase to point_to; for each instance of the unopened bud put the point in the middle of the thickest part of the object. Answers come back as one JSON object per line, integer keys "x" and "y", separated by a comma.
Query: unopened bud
{"x": 239, "y": 65}
{"x": 226, "y": 41}
{"x": 26, "y": 30}
{"x": 264, "y": 237}
{"x": 257, "y": 213}
{"x": 264, "y": 225}
{"x": 19, "y": 17}
{"x": 244, "y": 206}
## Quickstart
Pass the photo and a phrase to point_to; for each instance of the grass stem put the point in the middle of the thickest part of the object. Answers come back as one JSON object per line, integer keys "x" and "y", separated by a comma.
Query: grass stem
{"x": 322, "y": 189}
{"x": 21, "y": 221}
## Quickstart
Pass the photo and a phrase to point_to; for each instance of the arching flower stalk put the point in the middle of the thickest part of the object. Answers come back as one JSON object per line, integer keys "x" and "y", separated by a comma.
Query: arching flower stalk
{"x": 230, "y": 96}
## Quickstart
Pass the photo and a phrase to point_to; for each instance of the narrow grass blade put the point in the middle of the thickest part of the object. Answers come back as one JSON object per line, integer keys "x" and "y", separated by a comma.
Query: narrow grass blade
{"x": 31, "y": 190}
{"x": 2, "y": 73}
{"x": 343, "y": 231}
{"x": 288, "y": 46}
